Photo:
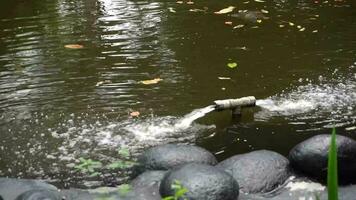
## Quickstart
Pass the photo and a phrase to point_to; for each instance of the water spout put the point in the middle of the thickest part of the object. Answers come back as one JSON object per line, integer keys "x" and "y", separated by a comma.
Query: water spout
{"x": 231, "y": 104}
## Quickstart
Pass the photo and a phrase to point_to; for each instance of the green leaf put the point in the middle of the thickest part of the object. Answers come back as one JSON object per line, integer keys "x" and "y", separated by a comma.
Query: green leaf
{"x": 168, "y": 198}
{"x": 181, "y": 192}
{"x": 332, "y": 168}
{"x": 124, "y": 189}
{"x": 232, "y": 65}
{"x": 124, "y": 152}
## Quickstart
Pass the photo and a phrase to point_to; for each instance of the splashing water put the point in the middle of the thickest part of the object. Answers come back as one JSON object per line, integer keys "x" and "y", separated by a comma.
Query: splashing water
{"x": 332, "y": 102}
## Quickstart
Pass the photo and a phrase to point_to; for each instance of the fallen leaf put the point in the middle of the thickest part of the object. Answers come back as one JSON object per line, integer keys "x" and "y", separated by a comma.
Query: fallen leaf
{"x": 302, "y": 29}
{"x": 190, "y": 2}
{"x": 259, "y": 21}
{"x": 315, "y": 31}
{"x": 259, "y": 1}
{"x": 73, "y": 46}
{"x": 224, "y": 78}
{"x": 225, "y": 10}
{"x": 228, "y": 23}
{"x": 171, "y": 10}
{"x": 102, "y": 82}
{"x": 264, "y": 11}
{"x": 196, "y": 10}
{"x": 232, "y": 65}
{"x": 153, "y": 81}
{"x": 291, "y": 23}
{"x": 134, "y": 114}
{"x": 239, "y": 26}
{"x": 179, "y": 2}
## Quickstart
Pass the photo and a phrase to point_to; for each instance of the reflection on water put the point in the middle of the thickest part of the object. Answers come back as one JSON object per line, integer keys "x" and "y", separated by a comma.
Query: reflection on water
{"x": 58, "y": 104}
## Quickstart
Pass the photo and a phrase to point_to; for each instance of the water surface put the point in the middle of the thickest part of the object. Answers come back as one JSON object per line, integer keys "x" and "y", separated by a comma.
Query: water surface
{"x": 59, "y": 104}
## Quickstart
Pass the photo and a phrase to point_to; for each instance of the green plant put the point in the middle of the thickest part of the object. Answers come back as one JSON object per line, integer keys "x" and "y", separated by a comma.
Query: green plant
{"x": 122, "y": 163}
{"x": 124, "y": 189}
{"x": 91, "y": 167}
{"x": 332, "y": 169}
{"x": 88, "y": 166}
{"x": 179, "y": 191}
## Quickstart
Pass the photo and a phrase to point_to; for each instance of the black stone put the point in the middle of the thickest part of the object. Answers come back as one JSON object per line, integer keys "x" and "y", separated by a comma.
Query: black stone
{"x": 202, "y": 182}
{"x": 311, "y": 158}
{"x": 11, "y": 188}
{"x": 39, "y": 195}
{"x": 258, "y": 171}
{"x": 147, "y": 192}
{"x": 148, "y": 178}
{"x": 172, "y": 155}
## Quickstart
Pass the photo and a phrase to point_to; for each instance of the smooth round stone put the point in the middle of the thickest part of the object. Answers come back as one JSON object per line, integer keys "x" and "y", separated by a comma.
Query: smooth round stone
{"x": 168, "y": 156}
{"x": 39, "y": 195}
{"x": 10, "y": 188}
{"x": 311, "y": 157}
{"x": 202, "y": 182}
{"x": 148, "y": 178}
{"x": 258, "y": 171}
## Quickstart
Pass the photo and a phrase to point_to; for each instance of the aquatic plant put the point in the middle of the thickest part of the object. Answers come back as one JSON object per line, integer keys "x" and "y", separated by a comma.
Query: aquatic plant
{"x": 179, "y": 192}
{"x": 91, "y": 167}
{"x": 88, "y": 166}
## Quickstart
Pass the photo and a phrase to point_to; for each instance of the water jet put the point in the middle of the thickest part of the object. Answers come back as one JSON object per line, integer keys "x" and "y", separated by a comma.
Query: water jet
{"x": 235, "y": 105}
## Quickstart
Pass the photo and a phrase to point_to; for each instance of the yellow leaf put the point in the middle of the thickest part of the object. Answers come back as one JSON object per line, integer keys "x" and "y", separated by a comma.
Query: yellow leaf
{"x": 225, "y": 10}
{"x": 153, "y": 81}
{"x": 73, "y": 46}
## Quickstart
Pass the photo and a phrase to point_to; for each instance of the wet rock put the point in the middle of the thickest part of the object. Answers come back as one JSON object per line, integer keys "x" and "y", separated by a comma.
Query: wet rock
{"x": 202, "y": 182}
{"x": 147, "y": 192}
{"x": 11, "y": 188}
{"x": 311, "y": 158}
{"x": 172, "y": 155}
{"x": 39, "y": 195}
{"x": 76, "y": 194}
{"x": 257, "y": 171}
{"x": 148, "y": 178}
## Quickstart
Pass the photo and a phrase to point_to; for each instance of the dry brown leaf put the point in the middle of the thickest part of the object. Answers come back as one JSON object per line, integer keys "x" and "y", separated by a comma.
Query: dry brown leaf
{"x": 73, "y": 46}
{"x": 153, "y": 81}
{"x": 134, "y": 114}
{"x": 225, "y": 10}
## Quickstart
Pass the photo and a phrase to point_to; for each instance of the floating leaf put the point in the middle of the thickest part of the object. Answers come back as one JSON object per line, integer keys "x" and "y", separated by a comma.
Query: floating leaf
{"x": 239, "y": 26}
{"x": 73, "y": 46}
{"x": 171, "y": 10}
{"x": 224, "y": 78}
{"x": 264, "y": 11}
{"x": 302, "y": 29}
{"x": 228, "y": 23}
{"x": 259, "y": 1}
{"x": 179, "y": 2}
{"x": 153, "y": 81}
{"x": 259, "y": 21}
{"x": 190, "y": 2}
{"x": 135, "y": 114}
{"x": 225, "y": 10}
{"x": 232, "y": 65}
{"x": 291, "y": 23}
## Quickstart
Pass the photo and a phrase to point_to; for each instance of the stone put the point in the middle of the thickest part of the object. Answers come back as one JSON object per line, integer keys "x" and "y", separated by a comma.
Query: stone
{"x": 310, "y": 157}
{"x": 147, "y": 192}
{"x": 148, "y": 178}
{"x": 10, "y": 188}
{"x": 168, "y": 156}
{"x": 202, "y": 182}
{"x": 258, "y": 171}
{"x": 39, "y": 195}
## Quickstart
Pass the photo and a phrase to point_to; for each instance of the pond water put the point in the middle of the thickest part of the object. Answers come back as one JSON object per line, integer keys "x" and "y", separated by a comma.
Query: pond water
{"x": 57, "y": 104}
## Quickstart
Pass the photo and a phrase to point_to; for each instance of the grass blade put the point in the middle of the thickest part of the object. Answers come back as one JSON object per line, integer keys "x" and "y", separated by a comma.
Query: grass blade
{"x": 332, "y": 169}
